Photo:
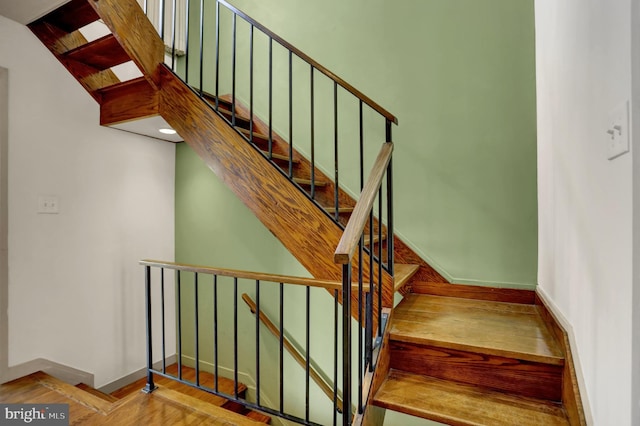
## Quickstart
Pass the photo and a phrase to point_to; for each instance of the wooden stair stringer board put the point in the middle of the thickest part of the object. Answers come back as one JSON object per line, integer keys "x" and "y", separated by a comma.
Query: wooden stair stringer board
{"x": 306, "y": 231}
{"x": 135, "y": 33}
{"x": 403, "y": 254}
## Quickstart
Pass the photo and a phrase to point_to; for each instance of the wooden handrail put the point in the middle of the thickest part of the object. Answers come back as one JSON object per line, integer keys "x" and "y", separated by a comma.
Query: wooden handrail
{"x": 276, "y": 278}
{"x": 295, "y": 353}
{"x": 355, "y": 92}
{"x": 358, "y": 220}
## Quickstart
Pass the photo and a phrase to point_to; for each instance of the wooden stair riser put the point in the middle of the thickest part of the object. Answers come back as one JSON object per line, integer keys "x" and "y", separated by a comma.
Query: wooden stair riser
{"x": 517, "y": 377}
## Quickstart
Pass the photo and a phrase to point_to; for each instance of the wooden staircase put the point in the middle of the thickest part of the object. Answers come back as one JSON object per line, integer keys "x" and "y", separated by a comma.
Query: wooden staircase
{"x": 171, "y": 404}
{"x": 466, "y": 361}
{"x": 461, "y": 355}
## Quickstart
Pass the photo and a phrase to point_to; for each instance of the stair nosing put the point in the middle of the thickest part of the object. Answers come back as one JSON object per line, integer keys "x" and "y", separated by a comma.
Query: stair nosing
{"x": 449, "y": 418}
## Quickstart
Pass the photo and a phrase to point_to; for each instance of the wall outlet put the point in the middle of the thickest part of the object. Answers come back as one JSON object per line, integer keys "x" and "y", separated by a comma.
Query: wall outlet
{"x": 618, "y": 131}
{"x": 47, "y": 204}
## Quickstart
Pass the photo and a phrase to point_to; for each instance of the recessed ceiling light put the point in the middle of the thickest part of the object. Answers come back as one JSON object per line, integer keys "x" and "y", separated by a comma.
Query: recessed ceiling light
{"x": 168, "y": 131}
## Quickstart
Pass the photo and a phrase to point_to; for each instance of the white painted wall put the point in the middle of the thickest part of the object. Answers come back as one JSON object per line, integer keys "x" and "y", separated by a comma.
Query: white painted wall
{"x": 585, "y": 201}
{"x": 75, "y": 289}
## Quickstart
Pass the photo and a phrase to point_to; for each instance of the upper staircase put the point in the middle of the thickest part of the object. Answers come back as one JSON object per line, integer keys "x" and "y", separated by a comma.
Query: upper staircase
{"x": 455, "y": 354}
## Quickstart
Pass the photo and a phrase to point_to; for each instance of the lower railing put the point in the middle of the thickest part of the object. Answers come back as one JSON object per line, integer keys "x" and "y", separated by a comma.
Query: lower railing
{"x": 213, "y": 335}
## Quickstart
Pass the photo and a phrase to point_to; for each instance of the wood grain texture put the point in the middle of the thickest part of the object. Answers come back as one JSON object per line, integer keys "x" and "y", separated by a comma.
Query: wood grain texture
{"x": 570, "y": 390}
{"x": 490, "y": 328}
{"x": 324, "y": 386}
{"x": 57, "y": 41}
{"x": 517, "y": 377}
{"x": 101, "y": 54}
{"x": 458, "y": 404}
{"x": 494, "y": 294}
{"x": 96, "y": 392}
{"x": 402, "y": 274}
{"x": 261, "y": 187}
{"x": 134, "y": 32}
{"x": 127, "y": 101}
{"x": 360, "y": 216}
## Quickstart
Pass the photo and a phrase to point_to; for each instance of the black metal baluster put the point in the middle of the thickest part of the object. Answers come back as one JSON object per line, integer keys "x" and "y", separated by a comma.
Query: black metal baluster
{"x": 360, "y": 325}
{"x": 370, "y": 296}
{"x": 217, "y": 54}
{"x": 186, "y": 42}
{"x": 313, "y": 136}
{"x": 197, "y": 327}
{"x": 179, "y": 296}
{"x": 201, "y": 46}
{"x": 164, "y": 355}
{"x": 257, "y": 342}
{"x": 281, "y": 341}
{"x": 380, "y": 282}
{"x": 233, "y": 73}
{"x": 308, "y": 357}
{"x": 270, "y": 98}
{"x": 144, "y": 7}
{"x": 290, "y": 115}
{"x": 235, "y": 337}
{"x": 390, "y": 233}
{"x": 215, "y": 331}
{"x": 346, "y": 344}
{"x": 361, "y": 148}
{"x": 335, "y": 357}
{"x": 173, "y": 35}
{"x": 150, "y": 387}
{"x": 251, "y": 86}
{"x": 335, "y": 129}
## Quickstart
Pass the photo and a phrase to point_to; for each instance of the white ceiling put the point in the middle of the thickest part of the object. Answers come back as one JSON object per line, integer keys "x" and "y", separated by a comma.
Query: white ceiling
{"x": 26, "y": 11}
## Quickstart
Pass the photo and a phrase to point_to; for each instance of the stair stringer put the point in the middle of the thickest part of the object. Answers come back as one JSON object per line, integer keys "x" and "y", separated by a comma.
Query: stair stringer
{"x": 306, "y": 231}
{"x": 302, "y": 227}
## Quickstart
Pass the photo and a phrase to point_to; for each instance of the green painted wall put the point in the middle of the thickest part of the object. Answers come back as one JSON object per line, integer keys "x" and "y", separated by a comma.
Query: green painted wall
{"x": 459, "y": 75}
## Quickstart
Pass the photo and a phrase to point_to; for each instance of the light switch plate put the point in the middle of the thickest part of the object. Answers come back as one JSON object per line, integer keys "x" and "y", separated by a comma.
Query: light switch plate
{"x": 618, "y": 131}
{"x": 47, "y": 204}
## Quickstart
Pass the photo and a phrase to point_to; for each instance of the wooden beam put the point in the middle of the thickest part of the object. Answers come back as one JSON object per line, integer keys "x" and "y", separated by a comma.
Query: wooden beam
{"x": 127, "y": 101}
{"x": 135, "y": 33}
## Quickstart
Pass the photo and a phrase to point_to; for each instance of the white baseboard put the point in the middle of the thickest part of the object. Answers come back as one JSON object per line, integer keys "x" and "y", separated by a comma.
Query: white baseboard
{"x": 132, "y": 377}
{"x": 63, "y": 372}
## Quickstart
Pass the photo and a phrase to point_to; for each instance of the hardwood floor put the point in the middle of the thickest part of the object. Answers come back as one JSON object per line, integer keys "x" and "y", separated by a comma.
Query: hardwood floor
{"x": 162, "y": 407}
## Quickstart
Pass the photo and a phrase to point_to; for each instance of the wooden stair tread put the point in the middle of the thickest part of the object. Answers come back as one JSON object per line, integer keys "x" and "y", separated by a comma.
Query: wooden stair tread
{"x": 188, "y": 374}
{"x": 96, "y": 392}
{"x": 280, "y": 157}
{"x": 240, "y": 119}
{"x": 123, "y": 85}
{"x": 454, "y": 403}
{"x": 307, "y": 182}
{"x": 72, "y": 16}
{"x": 402, "y": 273}
{"x": 101, "y": 54}
{"x": 332, "y": 209}
{"x": 216, "y": 414}
{"x": 492, "y": 328}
